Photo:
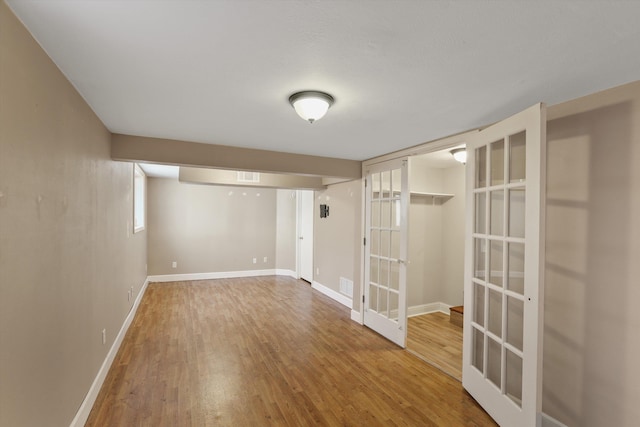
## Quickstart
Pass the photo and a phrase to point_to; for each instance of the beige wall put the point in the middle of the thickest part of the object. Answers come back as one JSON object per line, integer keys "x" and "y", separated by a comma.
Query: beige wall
{"x": 207, "y": 228}
{"x": 185, "y": 153}
{"x": 230, "y": 177}
{"x": 286, "y": 223}
{"x": 337, "y": 240}
{"x": 67, "y": 254}
{"x": 424, "y": 272}
{"x": 436, "y": 236}
{"x": 592, "y": 321}
{"x": 453, "y": 223}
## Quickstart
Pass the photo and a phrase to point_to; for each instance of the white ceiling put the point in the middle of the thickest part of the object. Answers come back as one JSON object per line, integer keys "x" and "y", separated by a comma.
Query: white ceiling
{"x": 402, "y": 72}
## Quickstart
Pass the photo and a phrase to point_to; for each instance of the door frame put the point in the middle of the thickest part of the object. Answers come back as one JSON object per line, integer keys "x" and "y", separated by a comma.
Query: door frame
{"x": 299, "y": 246}
{"x": 447, "y": 143}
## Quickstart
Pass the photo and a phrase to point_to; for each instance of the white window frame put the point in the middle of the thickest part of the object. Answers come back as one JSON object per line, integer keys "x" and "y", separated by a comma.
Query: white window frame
{"x": 139, "y": 198}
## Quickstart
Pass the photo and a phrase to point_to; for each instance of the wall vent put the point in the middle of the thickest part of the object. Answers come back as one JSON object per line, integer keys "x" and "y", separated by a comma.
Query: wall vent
{"x": 244, "y": 176}
{"x": 346, "y": 287}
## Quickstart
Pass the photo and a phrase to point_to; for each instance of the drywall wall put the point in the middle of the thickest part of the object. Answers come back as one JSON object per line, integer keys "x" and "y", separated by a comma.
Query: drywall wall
{"x": 435, "y": 273}
{"x": 453, "y": 223}
{"x": 68, "y": 257}
{"x": 230, "y": 177}
{"x": 337, "y": 244}
{"x": 286, "y": 229}
{"x": 591, "y": 339}
{"x": 424, "y": 270}
{"x": 207, "y": 228}
{"x": 185, "y": 153}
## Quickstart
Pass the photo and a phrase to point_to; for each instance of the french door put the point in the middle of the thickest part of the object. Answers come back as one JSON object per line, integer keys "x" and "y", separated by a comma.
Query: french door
{"x": 385, "y": 293}
{"x": 503, "y": 299}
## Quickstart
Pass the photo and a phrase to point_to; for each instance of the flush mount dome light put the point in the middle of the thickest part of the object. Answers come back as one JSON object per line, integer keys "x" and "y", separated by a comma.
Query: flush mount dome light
{"x": 311, "y": 105}
{"x": 460, "y": 154}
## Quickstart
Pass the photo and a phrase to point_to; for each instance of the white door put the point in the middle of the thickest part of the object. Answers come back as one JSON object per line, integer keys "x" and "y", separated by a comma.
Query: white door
{"x": 503, "y": 299}
{"x": 385, "y": 292}
{"x": 305, "y": 235}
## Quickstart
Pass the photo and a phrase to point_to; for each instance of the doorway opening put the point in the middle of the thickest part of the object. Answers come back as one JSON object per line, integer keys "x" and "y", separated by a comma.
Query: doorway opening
{"x": 435, "y": 274}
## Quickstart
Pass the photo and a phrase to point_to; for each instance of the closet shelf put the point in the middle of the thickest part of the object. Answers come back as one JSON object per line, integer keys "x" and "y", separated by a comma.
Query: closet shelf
{"x": 445, "y": 196}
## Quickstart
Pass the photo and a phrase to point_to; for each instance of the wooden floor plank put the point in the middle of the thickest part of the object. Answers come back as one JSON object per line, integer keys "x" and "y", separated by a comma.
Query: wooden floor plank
{"x": 437, "y": 341}
{"x": 268, "y": 351}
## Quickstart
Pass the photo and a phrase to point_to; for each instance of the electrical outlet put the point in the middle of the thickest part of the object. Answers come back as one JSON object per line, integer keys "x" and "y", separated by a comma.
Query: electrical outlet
{"x": 174, "y": 264}
{"x": 255, "y": 260}
{"x": 104, "y": 336}
{"x": 317, "y": 271}
{"x": 265, "y": 259}
{"x": 128, "y": 295}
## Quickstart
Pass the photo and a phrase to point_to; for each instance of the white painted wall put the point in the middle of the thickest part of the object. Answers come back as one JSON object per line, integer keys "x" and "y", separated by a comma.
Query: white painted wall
{"x": 436, "y": 236}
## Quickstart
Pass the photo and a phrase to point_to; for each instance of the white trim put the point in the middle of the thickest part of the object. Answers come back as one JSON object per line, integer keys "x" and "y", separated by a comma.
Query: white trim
{"x": 138, "y": 173}
{"x": 549, "y": 421}
{"x": 298, "y": 227}
{"x": 356, "y": 317}
{"x": 363, "y": 249}
{"x": 300, "y": 214}
{"x": 285, "y": 272}
{"x": 87, "y": 404}
{"x": 211, "y": 275}
{"x": 332, "y": 294}
{"x": 417, "y": 310}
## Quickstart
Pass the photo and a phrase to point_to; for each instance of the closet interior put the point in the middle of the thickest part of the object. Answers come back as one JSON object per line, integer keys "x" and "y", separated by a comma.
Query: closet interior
{"x": 435, "y": 273}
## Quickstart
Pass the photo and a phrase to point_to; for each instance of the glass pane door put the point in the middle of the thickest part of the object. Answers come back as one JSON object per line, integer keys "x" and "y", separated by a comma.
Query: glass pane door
{"x": 503, "y": 291}
{"x": 385, "y": 250}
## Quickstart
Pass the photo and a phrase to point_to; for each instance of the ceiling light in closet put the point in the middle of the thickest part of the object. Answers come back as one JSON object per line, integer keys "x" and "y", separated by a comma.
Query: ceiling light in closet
{"x": 460, "y": 154}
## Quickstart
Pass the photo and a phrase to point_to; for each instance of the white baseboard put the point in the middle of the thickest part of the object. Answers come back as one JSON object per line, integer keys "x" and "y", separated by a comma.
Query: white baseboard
{"x": 355, "y": 316}
{"x": 87, "y": 404}
{"x": 332, "y": 294}
{"x": 417, "y": 310}
{"x": 433, "y": 307}
{"x": 549, "y": 421}
{"x": 213, "y": 275}
{"x": 284, "y": 272}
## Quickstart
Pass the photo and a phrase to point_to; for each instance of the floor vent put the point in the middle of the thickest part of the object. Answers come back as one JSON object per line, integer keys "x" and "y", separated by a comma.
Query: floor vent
{"x": 346, "y": 287}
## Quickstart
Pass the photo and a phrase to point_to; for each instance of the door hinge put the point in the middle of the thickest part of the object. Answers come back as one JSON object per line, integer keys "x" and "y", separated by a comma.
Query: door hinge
{"x": 363, "y": 299}
{"x": 364, "y": 241}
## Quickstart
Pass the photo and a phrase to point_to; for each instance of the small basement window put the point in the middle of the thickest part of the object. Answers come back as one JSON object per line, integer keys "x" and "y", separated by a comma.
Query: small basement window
{"x": 139, "y": 190}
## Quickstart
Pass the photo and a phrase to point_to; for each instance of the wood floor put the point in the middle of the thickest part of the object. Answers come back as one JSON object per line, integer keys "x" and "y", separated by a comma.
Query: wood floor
{"x": 437, "y": 341}
{"x": 268, "y": 351}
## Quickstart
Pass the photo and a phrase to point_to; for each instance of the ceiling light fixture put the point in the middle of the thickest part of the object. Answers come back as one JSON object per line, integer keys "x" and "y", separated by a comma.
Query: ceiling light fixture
{"x": 460, "y": 154}
{"x": 311, "y": 105}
